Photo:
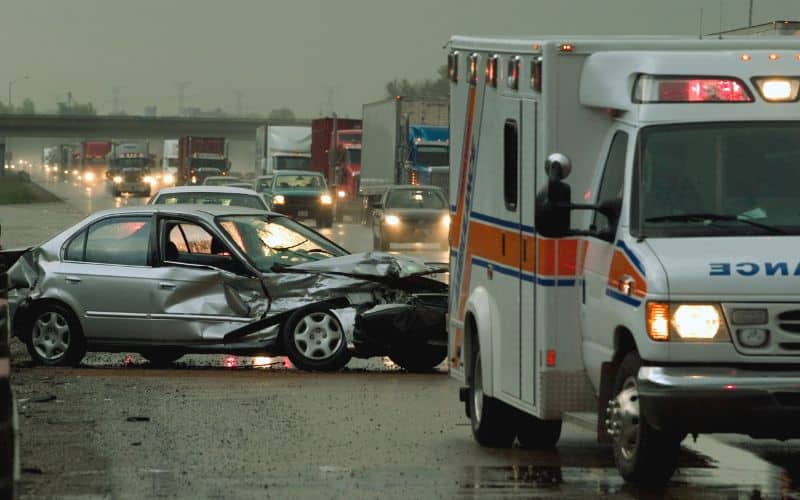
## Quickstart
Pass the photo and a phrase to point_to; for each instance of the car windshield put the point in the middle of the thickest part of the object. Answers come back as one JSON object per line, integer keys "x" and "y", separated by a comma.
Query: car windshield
{"x": 263, "y": 184}
{"x": 415, "y": 198}
{"x": 271, "y": 240}
{"x": 225, "y": 199}
{"x": 352, "y": 156}
{"x": 717, "y": 180}
{"x": 300, "y": 181}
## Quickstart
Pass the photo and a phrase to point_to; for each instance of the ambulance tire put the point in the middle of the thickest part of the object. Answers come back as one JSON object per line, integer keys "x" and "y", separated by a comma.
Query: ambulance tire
{"x": 650, "y": 456}
{"x": 537, "y": 434}
{"x": 492, "y": 421}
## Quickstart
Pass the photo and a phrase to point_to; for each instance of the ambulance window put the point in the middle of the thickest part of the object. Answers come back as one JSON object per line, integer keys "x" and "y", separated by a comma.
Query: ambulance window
{"x": 511, "y": 164}
{"x": 612, "y": 182}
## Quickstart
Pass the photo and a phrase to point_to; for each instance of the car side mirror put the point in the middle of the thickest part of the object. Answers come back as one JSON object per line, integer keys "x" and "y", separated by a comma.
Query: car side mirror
{"x": 553, "y": 204}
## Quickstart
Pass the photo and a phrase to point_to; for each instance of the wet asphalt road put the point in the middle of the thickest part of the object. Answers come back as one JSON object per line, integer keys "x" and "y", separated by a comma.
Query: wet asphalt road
{"x": 116, "y": 428}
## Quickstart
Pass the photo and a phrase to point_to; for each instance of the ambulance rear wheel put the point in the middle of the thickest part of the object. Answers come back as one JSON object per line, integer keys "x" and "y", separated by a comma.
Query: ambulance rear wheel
{"x": 537, "y": 434}
{"x": 492, "y": 420}
{"x": 643, "y": 454}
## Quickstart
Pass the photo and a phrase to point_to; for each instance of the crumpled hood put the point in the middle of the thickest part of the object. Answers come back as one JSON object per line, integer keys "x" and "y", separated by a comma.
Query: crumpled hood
{"x": 730, "y": 266}
{"x": 374, "y": 264}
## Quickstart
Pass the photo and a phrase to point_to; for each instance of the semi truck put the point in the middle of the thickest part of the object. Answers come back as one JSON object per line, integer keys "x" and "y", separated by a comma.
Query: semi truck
{"x": 129, "y": 168}
{"x": 169, "y": 162}
{"x": 68, "y": 160}
{"x": 624, "y": 239}
{"x": 201, "y": 157}
{"x": 336, "y": 154}
{"x": 282, "y": 147}
{"x": 94, "y": 161}
{"x": 405, "y": 140}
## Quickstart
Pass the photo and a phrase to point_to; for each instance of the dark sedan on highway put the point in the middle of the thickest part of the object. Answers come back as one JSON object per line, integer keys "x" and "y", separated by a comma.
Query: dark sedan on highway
{"x": 169, "y": 280}
{"x": 408, "y": 214}
{"x": 302, "y": 194}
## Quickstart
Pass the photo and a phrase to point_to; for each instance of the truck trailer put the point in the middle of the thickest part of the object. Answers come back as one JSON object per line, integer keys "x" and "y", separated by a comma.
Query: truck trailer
{"x": 201, "y": 157}
{"x": 94, "y": 161}
{"x": 282, "y": 147}
{"x": 336, "y": 153}
{"x": 405, "y": 140}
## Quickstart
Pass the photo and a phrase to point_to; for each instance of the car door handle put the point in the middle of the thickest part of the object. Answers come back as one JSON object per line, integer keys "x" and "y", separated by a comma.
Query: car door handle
{"x": 166, "y": 286}
{"x": 72, "y": 279}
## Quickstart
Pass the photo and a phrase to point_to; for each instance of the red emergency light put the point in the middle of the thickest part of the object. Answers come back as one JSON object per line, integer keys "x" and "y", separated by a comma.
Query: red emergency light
{"x": 689, "y": 89}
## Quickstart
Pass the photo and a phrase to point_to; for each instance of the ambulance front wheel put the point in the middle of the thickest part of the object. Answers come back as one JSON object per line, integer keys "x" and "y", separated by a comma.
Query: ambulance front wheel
{"x": 493, "y": 422}
{"x": 643, "y": 454}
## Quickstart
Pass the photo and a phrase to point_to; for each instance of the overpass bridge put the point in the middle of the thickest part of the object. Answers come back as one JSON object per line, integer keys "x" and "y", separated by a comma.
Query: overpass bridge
{"x": 108, "y": 127}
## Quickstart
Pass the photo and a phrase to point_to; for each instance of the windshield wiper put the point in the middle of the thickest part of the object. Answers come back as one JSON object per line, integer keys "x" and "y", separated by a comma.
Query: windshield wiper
{"x": 702, "y": 216}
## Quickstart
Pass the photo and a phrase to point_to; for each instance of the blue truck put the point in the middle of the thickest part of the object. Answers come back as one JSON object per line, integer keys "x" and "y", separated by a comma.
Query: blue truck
{"x": 405, "y": 140}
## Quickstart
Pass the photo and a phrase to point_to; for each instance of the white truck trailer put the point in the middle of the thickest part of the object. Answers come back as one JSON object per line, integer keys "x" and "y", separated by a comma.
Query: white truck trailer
{"x": 282, "y": 147}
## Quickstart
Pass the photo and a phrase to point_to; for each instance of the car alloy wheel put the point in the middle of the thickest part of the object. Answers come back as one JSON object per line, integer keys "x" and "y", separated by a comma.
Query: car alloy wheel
{"x": 318, "y": 336}
{"x": 51, "y": 336}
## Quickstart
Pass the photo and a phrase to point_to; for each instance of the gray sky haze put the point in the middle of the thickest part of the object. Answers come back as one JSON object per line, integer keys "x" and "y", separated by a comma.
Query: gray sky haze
{"x": 293, "y": 53}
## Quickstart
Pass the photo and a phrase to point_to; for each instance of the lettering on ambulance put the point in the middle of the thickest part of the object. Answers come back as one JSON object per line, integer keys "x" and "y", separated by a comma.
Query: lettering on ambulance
{"x": 625, "y": 264}
{"x": 749, "y": 269}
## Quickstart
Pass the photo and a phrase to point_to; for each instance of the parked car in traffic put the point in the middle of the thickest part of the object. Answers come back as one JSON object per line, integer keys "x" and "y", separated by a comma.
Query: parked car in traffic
{"x": 302, "y": 194}
{"x": 9, "y": 421}
{"x": 220, "y": 180}
{"x": 166, "y": 280}
{"x": 228, "y": 196}
{"x": 407, "y": 214}
{"x": 262, "y": 183}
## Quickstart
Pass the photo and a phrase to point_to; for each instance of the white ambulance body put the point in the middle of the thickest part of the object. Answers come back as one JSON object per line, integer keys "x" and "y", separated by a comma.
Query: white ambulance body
{"x": 681, "y": 316}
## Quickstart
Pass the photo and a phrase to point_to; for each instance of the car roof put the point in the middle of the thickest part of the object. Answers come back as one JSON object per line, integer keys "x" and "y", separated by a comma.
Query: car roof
{"x": 202, "y": 211}
{"x": 206, "y": 189}
{"x": 297, "y": 172}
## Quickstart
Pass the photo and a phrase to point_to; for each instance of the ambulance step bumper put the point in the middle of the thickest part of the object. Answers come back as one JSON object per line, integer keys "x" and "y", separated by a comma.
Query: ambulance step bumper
{"x": 760, "y": 403}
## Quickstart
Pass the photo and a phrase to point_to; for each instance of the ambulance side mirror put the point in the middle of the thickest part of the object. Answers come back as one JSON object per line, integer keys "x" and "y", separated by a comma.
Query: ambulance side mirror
{"x": 553, "y": 204}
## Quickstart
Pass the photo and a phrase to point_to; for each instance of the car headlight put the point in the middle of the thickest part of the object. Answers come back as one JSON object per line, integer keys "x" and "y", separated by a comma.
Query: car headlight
{"x": 88, "y": 176}
{"x": 675, "y": 321}
{"x": 149, "y": 179}
{"x": 326, "y": 199}
{"x": 392, "y": 220}
{"x": 117, "y": 179}
{"x": 278, "y": 199}
{"x": 169, "y": 178}
{"x": 341, "y": 194}
{"x": 446, "y": 220}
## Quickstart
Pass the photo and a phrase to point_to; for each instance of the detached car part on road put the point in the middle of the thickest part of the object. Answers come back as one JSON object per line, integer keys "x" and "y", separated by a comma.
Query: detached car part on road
{"x": 169, "y": 280}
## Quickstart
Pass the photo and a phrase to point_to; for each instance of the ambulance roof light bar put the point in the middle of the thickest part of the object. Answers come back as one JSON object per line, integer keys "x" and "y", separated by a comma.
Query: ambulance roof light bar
{"x": 689, "y": 89}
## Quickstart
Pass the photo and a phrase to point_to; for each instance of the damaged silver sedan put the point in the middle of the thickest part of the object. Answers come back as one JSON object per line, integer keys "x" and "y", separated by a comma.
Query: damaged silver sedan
{"x": 167, "y": 281}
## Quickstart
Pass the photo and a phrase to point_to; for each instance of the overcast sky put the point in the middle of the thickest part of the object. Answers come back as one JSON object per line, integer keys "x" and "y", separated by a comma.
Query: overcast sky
{"x": 293, "y": 53}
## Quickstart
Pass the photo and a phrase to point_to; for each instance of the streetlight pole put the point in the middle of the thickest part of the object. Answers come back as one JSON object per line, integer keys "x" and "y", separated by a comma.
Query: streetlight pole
{"x": 10, "y": 84}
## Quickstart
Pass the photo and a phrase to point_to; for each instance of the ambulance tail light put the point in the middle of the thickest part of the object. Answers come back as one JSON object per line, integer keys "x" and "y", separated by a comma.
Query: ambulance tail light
{"x": 774, "y": 89}
{"x": 551, "y": 358}
{"x": 689, "y": 89}
{"x": 658, "y": 321}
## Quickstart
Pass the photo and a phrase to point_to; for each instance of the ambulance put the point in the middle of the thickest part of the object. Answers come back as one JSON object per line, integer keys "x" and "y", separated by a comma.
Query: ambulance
{"x": 625, "y": 240}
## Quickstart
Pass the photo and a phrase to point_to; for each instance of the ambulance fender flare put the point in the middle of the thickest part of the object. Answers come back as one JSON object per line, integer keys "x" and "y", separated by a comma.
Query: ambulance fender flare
{"x": 481, "y": 309}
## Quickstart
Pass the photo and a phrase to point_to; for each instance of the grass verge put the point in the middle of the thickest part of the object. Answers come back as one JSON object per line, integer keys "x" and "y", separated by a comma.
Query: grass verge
{"x": 15, "y": 190}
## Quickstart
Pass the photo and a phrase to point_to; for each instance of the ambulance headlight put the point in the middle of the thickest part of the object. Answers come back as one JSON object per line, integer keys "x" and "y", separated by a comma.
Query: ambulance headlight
{"x": 686, "y": 322}
{"x": 696, "y": 321}
{"x": 778, "y": 89}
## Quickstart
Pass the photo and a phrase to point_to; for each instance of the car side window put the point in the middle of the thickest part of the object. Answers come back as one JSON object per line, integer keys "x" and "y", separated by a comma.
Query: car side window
{"x": 611, "y": 184}
{"x": 76, "y": 247}
{"x": 118, "y": 240}
{"x": 190, "y": 243}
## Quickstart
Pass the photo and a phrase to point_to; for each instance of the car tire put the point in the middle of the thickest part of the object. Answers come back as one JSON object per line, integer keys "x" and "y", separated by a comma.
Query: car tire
{"x": 536, "y": 434}
{"x": 419, "y": 358}
{"x": 162, "y": 357}
{"x": 54, "y": 336}
{"x": 492, "y": 421}
{"x": 643, "y": 454}
{"x": 314, "y": 339}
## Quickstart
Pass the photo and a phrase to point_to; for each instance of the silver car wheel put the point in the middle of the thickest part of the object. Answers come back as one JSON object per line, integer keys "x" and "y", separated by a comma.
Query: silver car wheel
{"x": 318, "y": 336}
{"x": 623, "y": 421}
{"x": 51, "y": 336}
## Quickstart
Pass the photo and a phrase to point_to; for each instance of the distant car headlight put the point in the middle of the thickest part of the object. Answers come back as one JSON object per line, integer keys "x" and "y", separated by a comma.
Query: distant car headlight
{"x": 392, "y": 220}
{"x": 278, "y": 199}
{"x": 169, "y": 179}
{"x": 88, "y": 176}
{"x": 194, "y": 180}
{"x": 446, "y": 220}
{"x": 341, "y": 194}
{"x": 74, "y": 172}
{"x": 326, "y": 199}
{"x": 696, "y": 321}
{"x": 117, "y": 179}
{"x": 149, "y": 179}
